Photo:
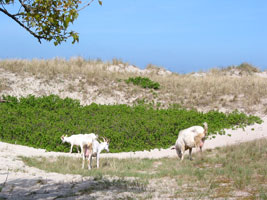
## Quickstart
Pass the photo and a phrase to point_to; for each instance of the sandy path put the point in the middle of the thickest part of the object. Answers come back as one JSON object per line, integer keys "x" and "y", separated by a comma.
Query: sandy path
{"x": 25, "y": 182}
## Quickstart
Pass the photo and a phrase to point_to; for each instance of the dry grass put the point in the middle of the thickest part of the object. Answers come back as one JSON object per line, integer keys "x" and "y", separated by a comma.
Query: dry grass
{"x": 215, "y": 90}
{"x": 74, "y": 67}
{"x": 3, "y": 85}
{"x": 231, "y": 172}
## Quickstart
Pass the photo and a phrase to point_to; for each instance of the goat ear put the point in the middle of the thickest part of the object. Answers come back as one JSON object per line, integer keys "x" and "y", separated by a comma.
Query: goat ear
{"x": 106, "y": 140}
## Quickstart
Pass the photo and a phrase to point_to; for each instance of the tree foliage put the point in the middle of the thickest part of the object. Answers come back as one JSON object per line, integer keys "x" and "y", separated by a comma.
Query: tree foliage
{"x": 47, "y": 20}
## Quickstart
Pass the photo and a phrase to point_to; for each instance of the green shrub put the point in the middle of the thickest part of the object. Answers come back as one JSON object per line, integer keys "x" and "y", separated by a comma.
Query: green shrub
{"x": 246, "y": 67}
{"x": 40, "y": 122}
{"x": 243, "y": 68}
{"x": 143, "y": 82}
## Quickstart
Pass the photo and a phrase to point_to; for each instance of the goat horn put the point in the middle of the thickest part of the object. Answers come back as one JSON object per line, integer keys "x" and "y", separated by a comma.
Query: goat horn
{"x": 103, "y": 139}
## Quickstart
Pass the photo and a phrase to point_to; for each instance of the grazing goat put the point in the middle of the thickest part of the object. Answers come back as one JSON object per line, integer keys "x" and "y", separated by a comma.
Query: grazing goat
{"x": 189, "y": 138}
{"x": 93, "y": 150}
{"x": 78, "y": 140}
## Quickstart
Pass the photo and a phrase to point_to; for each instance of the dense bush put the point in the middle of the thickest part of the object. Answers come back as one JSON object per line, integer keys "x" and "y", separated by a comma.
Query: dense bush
{"x": 143, "y": 82}
{"x": 40, "y": 121}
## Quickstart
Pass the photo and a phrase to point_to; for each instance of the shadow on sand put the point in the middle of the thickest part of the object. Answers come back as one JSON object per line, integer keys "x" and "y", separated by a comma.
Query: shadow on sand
{"x": 93, "y": 188}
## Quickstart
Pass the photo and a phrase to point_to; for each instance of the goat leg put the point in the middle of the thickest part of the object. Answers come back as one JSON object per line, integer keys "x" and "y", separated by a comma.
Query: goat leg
{"x": 89, "y": 163}
{"x": 190, "y": 154}
{"x": 77, "y": 149}
{"x": 83, "y": 163}
{"x": 97, "y": 161}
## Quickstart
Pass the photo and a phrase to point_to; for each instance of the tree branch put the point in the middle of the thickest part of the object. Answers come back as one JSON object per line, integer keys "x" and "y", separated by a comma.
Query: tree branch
{"x": 22, "y": 25}
{"x": 24, "y": 6}
{"x": 88, "y": 4}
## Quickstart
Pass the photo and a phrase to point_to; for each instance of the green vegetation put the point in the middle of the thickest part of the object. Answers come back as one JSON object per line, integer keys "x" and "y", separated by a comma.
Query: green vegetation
{"x": 40, "y": 121}
{"x": 143, "y": 82}
{"x": 248, "y": 68}
{"x": 219, "y": 173}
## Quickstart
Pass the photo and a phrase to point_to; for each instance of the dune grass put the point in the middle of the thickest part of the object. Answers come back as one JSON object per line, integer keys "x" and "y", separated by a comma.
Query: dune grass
{"x": 233, "y": 171}
{"x": 217, "y": 89}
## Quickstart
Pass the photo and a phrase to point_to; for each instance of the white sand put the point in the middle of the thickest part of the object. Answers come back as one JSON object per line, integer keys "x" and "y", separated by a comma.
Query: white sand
{"x": 25, "y": 182}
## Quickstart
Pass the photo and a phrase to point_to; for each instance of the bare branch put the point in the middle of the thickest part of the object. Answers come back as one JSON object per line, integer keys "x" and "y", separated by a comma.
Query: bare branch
{"x": 24, "y": 6}
{"x": 88, "y": 4}
{"x": 2, "y": 4}
{"x": 22, "y": 25}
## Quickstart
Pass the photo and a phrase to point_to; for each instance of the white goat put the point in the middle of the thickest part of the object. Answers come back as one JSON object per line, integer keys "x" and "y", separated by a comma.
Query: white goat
{"x": 189, "y": 138}
{"x": 78, "y": 140}
{"x": 93, "y": 150}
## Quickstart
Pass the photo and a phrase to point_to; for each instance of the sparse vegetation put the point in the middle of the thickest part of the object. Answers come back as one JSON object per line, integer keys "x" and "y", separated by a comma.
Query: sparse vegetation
{"x": 244, "y": 69}
{"x": 219, "y": 173}
{"x": 214, "y": 90}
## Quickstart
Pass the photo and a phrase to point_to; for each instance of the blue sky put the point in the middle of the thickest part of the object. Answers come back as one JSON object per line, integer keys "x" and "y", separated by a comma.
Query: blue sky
{"x": 181, "y": 36}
